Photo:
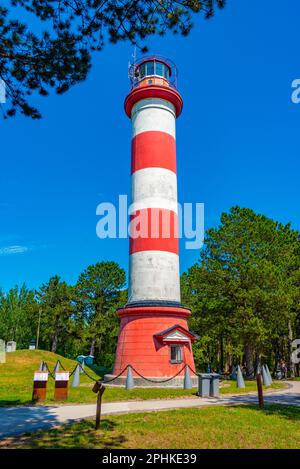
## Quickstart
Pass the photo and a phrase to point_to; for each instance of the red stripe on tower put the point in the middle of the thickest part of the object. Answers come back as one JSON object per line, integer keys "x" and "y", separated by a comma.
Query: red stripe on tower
{"x": 154, "y": 229}
{"x": 153, "y": 149}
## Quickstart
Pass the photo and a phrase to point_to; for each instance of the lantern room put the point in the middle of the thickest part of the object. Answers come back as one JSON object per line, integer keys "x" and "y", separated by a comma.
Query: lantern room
{"x": 153, "y": 70}
{"x": 154, "y": 67}
{"x": 153, "y": 77}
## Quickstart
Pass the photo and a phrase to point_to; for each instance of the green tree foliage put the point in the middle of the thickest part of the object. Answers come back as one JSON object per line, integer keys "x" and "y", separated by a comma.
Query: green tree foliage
{"x": 72, "y": 320}
{"x": 47, "y": 44}
{"x": 244, "y": 294}
{"x": 99, "y": 293}
{"x": 55, "y": 300}
{"x": 18, "y": 310}
{"x": 244, "y": 291}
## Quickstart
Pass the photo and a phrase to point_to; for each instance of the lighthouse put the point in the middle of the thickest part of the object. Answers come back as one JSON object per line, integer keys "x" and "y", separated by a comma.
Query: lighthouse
{"x": 154, "y": 338}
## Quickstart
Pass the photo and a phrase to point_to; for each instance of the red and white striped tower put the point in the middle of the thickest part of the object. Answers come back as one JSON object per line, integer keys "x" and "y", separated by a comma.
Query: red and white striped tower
{"x": 154, "y": 337}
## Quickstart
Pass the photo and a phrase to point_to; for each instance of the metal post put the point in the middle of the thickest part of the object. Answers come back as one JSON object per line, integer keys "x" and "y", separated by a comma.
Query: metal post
{"x": 265, "y": 376}
{"x": 233, "y": 373}
{"x": 269, "y": 375}
{"x": 240, "y": 383}
{"x": 129, "y": 379}
{"x": 187, "y": 379}
{"x": 260, "y": 390}
{"x": 44, "y": 368}
{"x": 76, "y": 377}
{"x": 56, "y": 369}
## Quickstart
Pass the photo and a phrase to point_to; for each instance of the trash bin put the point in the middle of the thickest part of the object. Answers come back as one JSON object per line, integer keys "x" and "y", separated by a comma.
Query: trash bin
{"x": 214, "y": 390}
{"x": 204, "y": 384}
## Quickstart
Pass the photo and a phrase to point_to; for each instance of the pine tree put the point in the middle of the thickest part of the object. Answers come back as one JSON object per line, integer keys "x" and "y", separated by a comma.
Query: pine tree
{"x": 59, "y": 56}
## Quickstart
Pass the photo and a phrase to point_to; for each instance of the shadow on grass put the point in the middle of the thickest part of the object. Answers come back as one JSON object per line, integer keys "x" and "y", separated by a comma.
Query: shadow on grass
{"x": 288, "y": 412}
{"x": 14, "y": 402}
{"x": 78, "y": 435}
{"x": 82, "y": 434}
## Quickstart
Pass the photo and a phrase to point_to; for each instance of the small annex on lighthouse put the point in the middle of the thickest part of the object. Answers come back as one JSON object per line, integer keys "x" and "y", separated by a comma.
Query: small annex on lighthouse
{"x": 154, "y": 338}
{"x": 176, "y": 338}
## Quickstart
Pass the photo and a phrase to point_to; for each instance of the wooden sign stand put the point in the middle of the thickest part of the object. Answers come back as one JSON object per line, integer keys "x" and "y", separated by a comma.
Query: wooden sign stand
{"x": 40, "y": 380}
{"x": 61, "y": 386}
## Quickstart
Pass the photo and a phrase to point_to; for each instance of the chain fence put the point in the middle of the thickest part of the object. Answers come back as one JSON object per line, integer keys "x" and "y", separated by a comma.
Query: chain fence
{"x": 52, "y": 374}
{"x": 193, "y": 371}
{"x": 60, "y": 364}
{"x": 118, "y": 376}
{"x": 158, "y": 381}
{"x": 48, "y": 370}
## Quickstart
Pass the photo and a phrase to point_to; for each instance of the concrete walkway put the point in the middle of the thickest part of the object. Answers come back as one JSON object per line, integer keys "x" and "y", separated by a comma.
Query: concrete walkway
{"x": 20, "y": 419}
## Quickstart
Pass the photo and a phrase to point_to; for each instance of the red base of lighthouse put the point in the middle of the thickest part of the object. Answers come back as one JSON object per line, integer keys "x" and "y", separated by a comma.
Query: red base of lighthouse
{"x": 145, "y": 339}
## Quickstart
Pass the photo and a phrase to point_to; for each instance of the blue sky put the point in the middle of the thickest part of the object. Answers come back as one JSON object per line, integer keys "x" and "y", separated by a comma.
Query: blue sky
{"x": 237, "y": 142}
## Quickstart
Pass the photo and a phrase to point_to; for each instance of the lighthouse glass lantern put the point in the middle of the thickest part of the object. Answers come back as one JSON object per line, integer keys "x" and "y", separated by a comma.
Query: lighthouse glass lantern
{"x": 154, "y": 338}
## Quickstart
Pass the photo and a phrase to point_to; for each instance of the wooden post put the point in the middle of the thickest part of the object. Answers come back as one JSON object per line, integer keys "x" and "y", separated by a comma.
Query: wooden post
{"x": 98, "y": 411}
{"x": 260, "y": 391}
{"x": 99, "y": 389}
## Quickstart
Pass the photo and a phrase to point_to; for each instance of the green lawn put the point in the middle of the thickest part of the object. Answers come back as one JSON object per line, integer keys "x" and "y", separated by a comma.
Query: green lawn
{"x": 17, "y": 374}
{"x": 212, "y": 427}
{"x": 16, "y": 377}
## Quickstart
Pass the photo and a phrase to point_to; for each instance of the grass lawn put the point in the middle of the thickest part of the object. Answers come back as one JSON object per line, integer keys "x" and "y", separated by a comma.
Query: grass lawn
{"x": 16, "y": 378}
{"x": 212, "y": 427}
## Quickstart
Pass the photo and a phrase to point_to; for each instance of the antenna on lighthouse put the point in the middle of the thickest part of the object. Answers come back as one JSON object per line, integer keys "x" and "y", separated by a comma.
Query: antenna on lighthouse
{"x": 134, "y": 54}
{"x": 132, "y": 66}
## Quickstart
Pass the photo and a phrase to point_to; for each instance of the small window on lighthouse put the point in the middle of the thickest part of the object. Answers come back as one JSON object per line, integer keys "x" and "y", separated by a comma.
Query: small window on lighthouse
{"x": 176, "y": 354}
{"x": 142, "y": 70}
{"x": 150, "y": 68}
{"x": 159, "y": 69}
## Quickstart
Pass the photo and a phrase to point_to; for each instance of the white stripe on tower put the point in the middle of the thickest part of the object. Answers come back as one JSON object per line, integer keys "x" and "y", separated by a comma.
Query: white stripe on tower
{"x": 153, "y": 114}
{"x": 154, "y": 263}
{"x": 153, "y": 188}
{"x": 154, "y": 275}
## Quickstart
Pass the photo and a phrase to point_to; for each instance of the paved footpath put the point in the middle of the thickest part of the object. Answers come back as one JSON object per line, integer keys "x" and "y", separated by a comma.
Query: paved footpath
{"x": 20, "y": 419}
